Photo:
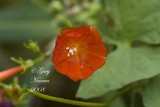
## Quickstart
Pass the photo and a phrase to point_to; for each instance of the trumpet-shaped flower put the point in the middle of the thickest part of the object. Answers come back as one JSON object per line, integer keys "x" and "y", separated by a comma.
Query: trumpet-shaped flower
{"x": 79, "y": 52}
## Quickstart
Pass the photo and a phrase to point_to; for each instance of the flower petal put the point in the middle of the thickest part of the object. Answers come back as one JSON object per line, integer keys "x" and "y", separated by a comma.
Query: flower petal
{"x": 86, "y": 70}
{"x": 60, "y": 52}
{"x": 92, "y": 60}
{"x": 71, "y": 35}
{"x": 97, "y": 48}
{"x": 70, "y": 67}
{"x": 75, "y": 31}
{"x": 90, "y": 37}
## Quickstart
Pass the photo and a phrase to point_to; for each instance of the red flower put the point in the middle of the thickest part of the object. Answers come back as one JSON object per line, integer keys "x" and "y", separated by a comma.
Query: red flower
{"x": 79, "y": 52}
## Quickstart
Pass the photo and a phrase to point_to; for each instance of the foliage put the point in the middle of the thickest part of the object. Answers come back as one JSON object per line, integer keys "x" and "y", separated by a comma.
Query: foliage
{"x": 151, "y": 94}
{"x": 134, "y": 20}
{"x": 129, "y": 28}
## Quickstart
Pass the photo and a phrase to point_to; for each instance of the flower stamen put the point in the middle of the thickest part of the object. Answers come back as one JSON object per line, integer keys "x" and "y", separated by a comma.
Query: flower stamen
{"x": 71, "y": 51}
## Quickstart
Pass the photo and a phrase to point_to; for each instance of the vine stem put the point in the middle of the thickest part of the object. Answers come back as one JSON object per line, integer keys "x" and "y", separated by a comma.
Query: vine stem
{"x": 87, "y": 104}
{"x": 10, "y": 72}
{"x": 66, "y": 101}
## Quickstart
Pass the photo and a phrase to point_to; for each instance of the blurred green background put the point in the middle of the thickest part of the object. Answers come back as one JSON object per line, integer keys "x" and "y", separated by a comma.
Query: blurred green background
{"x": 129, "y": 28}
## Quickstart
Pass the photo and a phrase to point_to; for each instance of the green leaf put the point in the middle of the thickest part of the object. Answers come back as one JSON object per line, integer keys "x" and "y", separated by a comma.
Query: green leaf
{"x": 123, "y": 66}
{"x": 136, "y": 19}
{"x": 151, "y": 95}
{"x": 118, "y": 102}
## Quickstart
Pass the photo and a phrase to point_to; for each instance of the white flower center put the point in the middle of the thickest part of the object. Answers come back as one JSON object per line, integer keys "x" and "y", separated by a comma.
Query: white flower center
{"x": 71, "y": 51}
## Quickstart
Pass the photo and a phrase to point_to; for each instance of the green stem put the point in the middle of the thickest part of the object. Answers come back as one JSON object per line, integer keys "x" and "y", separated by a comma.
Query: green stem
{"x": 40, "y": 58}
{"x": 66, "y": 101}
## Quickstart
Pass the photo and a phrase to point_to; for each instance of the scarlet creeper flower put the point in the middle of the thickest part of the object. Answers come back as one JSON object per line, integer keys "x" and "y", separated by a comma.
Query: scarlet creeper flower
{"x": 79, "y": 52}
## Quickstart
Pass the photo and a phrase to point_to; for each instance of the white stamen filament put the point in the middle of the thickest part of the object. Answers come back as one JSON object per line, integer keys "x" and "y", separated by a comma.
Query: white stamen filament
{"x": 68, "y": 55}
{"x": 71, "y": 51}
{"x": 67, "y": 48}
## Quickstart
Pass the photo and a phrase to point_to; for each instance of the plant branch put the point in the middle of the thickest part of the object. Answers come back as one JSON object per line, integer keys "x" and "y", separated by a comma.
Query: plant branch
{"x": 66, "y": 101}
